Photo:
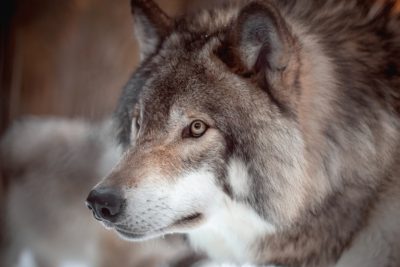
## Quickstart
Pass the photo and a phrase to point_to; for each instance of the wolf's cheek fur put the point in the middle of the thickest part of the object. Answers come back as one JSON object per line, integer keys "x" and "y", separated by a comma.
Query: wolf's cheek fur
{"x": 166, "y": 206}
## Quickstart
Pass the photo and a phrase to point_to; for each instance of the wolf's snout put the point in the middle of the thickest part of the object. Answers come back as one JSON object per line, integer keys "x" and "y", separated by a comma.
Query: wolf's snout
{"x": 106, "y": 204}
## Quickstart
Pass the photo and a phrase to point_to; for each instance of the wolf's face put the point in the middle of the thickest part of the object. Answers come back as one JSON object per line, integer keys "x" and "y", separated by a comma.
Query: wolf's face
{"x": 204, "y": 131}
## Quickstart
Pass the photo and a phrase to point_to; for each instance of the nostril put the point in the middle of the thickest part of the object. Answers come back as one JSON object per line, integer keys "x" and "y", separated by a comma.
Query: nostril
{"x": 105, "y": 213}
{"x": 106, "y": 204}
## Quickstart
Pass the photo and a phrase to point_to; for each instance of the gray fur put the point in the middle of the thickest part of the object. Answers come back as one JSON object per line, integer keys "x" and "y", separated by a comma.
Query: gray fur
{"x": 315, "y": 117}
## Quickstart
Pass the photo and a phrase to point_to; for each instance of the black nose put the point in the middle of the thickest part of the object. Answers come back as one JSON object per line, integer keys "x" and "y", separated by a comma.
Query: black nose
{"x": 106, "y": 204}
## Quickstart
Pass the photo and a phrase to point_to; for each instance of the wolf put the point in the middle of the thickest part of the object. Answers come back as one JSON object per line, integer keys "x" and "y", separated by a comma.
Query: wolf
{"x": 266, "y": 131}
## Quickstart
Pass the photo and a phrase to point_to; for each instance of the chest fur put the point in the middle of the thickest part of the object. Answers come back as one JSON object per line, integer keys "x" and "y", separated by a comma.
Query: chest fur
{"x": 232, "y": 234}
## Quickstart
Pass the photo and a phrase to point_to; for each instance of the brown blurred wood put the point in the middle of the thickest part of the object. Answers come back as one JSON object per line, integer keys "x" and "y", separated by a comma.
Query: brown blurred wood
{"x": 6, "y": 13}
{"x": 6, "y": 45}
{"x": 71, "y": 57}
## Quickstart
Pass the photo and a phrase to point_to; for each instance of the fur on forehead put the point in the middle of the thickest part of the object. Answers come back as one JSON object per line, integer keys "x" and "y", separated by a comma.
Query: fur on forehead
{"x": 211, "y": 20}
{"x": 196, "y": 27}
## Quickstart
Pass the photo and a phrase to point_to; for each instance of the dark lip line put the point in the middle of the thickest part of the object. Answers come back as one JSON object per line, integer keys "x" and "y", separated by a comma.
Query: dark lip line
{"x": 125, "y": 231}
{"x": 187, "y": 219}
{"x": 129, "y": 234}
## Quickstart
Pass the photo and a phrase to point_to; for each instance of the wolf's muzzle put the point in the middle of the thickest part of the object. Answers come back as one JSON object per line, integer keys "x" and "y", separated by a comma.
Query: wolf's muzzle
{"x": 106, "y": 204}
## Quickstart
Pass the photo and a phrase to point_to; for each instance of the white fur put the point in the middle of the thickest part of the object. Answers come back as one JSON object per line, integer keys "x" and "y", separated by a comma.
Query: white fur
{"x": 160, "y": 202}
{"x": 238, "y": 177}
{"x": 231, "y": 228}
{"x": 230, "y": 232}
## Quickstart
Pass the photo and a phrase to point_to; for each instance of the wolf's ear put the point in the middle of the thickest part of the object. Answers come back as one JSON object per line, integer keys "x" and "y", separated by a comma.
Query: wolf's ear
{"x": 263, "y": 42}
{"x": 151, "y": 25}
{"x": 263, "y": 38}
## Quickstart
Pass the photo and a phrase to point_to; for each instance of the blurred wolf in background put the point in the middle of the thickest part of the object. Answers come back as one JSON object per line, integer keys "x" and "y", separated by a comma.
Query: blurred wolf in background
{"x": 50, "y": 164}
{"x": 268, "y": 131}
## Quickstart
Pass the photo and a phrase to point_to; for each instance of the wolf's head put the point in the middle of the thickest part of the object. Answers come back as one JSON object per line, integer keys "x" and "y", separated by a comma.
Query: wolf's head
{"x": 256, "y": 119}
{"x": 209, "y": 121}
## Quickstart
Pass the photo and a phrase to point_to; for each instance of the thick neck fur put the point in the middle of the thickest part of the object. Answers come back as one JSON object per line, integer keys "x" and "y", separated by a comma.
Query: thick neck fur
{"x": 231, "y": 234}
{"x": 349, "y": 114}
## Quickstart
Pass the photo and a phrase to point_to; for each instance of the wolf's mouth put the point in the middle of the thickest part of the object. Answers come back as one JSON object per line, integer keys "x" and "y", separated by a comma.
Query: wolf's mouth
{"x": 185, "y": 221}
{"x": 190, "y": 219}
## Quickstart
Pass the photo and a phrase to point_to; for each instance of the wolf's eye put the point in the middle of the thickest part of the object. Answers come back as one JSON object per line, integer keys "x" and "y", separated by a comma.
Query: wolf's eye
{"x": 197, "y": 128}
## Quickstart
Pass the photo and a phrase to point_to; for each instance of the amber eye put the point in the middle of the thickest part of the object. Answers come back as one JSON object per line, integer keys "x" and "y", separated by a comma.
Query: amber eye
{"x": 197, "y": 128}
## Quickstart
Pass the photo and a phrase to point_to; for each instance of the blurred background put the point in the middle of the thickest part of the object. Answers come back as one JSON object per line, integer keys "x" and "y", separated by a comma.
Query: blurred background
{"x": 69, "y": 59}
